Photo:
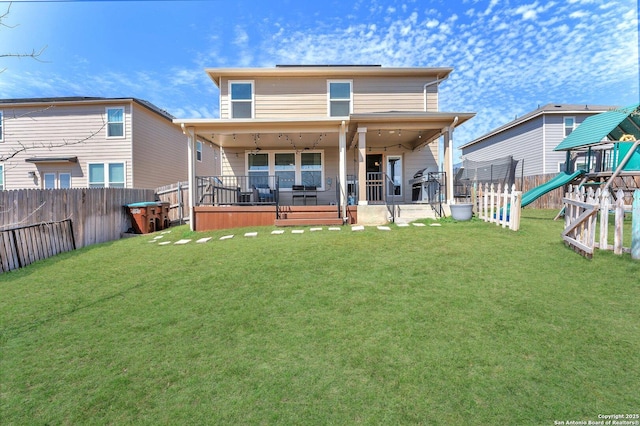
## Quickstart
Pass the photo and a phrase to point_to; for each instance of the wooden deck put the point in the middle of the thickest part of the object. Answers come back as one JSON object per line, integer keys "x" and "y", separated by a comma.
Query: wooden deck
{"x": 209, "y": 218}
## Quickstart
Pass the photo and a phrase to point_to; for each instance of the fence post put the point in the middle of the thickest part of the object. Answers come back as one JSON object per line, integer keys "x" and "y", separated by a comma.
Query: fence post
{"x": 635, "y": 226}
{"x": 180, "y": 203}
{"x": 485, "y": 201}
{"x": 492, "y": 202}
{"x": 605, "y": 205}
{"x": 619, "y": 222}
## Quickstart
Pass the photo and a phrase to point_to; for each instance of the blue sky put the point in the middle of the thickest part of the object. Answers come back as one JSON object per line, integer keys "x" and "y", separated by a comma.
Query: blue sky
{"x": 509, "y": 56}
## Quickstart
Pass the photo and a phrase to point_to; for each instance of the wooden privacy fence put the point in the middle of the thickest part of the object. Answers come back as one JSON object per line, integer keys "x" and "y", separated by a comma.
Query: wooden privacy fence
{"x": 499, "y": 206}
{"x": 581, "y": 221}
{"x": 98, "y": 214}
{"x": 177, "y": 195}
{"x": 22, "y": 246}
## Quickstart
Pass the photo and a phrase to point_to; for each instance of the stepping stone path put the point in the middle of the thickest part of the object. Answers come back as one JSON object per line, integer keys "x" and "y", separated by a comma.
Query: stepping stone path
{"x": 204, "y": 240}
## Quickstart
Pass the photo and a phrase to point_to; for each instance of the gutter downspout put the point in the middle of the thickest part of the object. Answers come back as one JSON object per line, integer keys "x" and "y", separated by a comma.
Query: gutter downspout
{"x": 448, "y": 161}
{"x": 431, "y": 83}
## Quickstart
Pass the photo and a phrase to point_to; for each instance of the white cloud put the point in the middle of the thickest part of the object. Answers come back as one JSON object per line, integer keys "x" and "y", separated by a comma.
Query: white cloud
{"x": 432, "y": 23}
{"x": 578, "y": 14}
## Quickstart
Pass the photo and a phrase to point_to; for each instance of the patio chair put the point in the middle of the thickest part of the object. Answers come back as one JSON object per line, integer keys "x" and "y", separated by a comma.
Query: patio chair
{"x": 263, "y": 194}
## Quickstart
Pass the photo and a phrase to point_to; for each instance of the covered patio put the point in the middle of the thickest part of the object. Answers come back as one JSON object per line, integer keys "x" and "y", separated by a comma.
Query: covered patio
{"x": 352, "y": 167}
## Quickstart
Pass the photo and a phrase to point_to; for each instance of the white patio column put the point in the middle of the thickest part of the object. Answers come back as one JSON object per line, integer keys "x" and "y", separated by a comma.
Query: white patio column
{"x": 362, "y": 166}
{"x": 191, "y": 166}
{"x": 448, "y": 163}
{"x": 448, "y": 159}
{"x": 342, "y": 171}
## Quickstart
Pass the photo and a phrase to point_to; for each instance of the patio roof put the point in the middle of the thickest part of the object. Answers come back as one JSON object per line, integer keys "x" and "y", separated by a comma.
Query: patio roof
{"x": 606, "y": 126}
{"x": 410, "y": 129}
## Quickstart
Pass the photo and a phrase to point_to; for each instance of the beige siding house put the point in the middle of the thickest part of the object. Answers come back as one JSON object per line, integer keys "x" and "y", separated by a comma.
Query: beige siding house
{"x": 94, "y": 142}
{"x": 352, "y": 134}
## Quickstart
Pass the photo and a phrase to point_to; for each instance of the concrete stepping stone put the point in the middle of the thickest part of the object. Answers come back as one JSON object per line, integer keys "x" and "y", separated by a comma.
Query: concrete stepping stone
{"x": 277, "y": 232}
{"x": 226, "y": 237}
{"x": 384, "y": 228}
{"x": 418, "y": 224}
{"x": 251, "y": 234}
{"x": 165, "y": 232}
{"x": 164, "y": 243}
{"x": 357, "y": 228}
{"x": 203, "y": 240}
{"x": 435, "y": 224}
{"x": 334, "y": 228}
{"x": 182, "y": 242}
{"x": 403, "y": 225}
{"x": 315, "y": 229}
{"x": 297, "y": 231}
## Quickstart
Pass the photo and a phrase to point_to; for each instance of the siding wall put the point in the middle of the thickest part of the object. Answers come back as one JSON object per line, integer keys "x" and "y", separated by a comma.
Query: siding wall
{"x": 523, "y": 142}
{"x": 302, "y": 97}
{"x": 554, "y": 134}
{"x": 160, "y": 152}
{"x": 154, "y": 150}
{"x": 64, "y": 127}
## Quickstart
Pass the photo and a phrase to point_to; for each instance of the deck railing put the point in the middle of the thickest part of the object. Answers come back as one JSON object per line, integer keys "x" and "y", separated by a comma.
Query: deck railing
{"x": 237, "y": 190}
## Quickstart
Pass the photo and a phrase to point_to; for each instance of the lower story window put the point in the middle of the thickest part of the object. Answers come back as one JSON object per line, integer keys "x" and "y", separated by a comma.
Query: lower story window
{"x": 258, "y": 167}
{"x": 311, "y": 169}
{"x": 285, "y": 168}
{"x": 291, "y": 168}
{"x": 106, "y": 175}
{"x": 1, "y": 177}
{"x": 56, "y": 180}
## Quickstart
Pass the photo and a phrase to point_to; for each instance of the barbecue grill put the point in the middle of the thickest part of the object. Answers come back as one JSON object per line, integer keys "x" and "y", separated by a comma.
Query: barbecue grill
{"x": 425, "y": 186}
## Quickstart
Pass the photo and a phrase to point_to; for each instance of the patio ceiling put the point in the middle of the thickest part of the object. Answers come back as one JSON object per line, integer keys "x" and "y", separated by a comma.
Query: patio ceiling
{"x": 408, "y": 130}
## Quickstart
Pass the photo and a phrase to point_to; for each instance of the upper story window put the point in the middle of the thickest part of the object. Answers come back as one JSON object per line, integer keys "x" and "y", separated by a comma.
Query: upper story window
{"x": 199, "y": 151}
{"x": 241, "y": 99}
{"x": 569, "y": 125}
{"x": 115, "y": 122}
{"x": 340, "y": 98}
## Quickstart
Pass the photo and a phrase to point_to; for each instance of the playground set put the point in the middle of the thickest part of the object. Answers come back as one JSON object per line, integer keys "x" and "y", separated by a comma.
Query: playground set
{"x": 603, "y": 151}
{"x": 602, "y": 172}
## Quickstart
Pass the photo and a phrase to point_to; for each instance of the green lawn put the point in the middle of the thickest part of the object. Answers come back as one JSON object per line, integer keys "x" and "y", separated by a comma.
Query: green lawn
{"x": 465, "y": 323}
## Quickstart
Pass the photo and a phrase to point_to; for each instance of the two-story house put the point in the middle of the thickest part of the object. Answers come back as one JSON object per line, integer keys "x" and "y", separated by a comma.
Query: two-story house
{"x": 531, "y": 139}
{"x": 80, "y": 142}
{"x": 347, "y": 134}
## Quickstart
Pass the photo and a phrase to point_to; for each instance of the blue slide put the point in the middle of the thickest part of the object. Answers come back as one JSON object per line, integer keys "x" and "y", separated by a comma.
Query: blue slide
{"x": 558, "y": 181}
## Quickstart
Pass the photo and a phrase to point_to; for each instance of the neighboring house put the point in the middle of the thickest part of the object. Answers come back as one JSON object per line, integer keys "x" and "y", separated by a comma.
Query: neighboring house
{"x": 349, "y": 132}
{"x": 531, "y": 138}
{"x": 80, "y": 142}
